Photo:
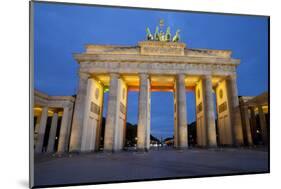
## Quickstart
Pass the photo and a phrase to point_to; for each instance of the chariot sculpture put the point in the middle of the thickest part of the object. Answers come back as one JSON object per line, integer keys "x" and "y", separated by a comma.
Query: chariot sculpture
{"x": 161, "y": 35}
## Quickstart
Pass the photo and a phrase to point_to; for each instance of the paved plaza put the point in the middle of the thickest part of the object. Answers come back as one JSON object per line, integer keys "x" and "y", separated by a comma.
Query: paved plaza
{"x": 155, "y": 164}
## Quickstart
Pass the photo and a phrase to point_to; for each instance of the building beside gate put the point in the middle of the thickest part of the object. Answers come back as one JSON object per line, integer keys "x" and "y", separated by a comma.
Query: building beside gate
{"x": 52, "y": 122}
{"x": 255, "y": 118}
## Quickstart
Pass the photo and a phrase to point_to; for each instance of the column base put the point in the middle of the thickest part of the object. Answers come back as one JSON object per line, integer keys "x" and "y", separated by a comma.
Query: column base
{"x": 181, "y": 148}
{"x": 142, "y": 150}
{"x": 38, "y": 153}
{"x": 215, "y": 148}
{"x": 61, "y": 153}
{"x": 212, "y": 146}
{"x": 202, "y": 147}
{"x": 237, "y": 145}
{"x": 112, "y": 151}
{"x": 226, "y": 146}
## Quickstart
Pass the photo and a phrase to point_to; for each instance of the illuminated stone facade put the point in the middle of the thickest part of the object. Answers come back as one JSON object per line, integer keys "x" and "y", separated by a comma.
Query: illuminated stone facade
{"x": 154, "y": 66}
{"x": 54, "y": 108}
{"x": 160, "y": 66}
{"x": 255, "y": 119}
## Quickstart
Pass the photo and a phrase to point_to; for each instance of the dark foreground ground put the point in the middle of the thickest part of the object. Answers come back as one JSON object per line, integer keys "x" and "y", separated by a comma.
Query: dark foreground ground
{"x": 155, "y": 164}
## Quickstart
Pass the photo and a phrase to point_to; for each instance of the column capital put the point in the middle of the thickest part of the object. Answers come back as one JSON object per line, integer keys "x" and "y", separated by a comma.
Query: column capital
{"x": 55, "y": 111}
{"x": 84, "y": 75}
{"x": 45, "y": 108}
{"x": 114, "y": 74}
{"x": 232, "y": 76}
{"x": 143, "y": 75}
{"x": 207, "y": 76}
{"x": 66, "y": 108}
{"x": 181, "y": 76}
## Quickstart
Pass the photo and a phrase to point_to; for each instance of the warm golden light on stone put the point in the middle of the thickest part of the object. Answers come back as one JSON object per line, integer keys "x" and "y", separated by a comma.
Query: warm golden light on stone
{"x": 147, "y": 67}
{"x": 159, "y": 82}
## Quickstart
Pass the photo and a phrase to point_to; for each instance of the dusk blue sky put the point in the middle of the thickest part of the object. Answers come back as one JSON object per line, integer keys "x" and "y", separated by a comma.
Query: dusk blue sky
{"x": 61, "y": 30}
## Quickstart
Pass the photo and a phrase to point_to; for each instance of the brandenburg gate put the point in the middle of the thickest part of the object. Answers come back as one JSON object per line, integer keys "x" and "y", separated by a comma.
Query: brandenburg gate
{"x": 157, "y": 64}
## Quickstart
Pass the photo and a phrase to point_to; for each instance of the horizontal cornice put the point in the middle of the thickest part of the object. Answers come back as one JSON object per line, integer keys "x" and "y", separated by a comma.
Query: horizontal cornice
{"x": 131, "y": 58}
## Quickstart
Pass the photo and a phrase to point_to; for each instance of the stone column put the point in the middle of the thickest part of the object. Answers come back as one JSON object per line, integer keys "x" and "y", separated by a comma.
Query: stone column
{"x": 52, "y": 135}
{"x": 76, "y": 130}
{"x": 111, "y": 115}
{"x": 97, "y": 147}
{"x": 125, "y": 121}
{"x": 247, "y": 125}
{"x": 209, "y": 111}
{"x": 235, "y": 111}
{"x": 201, "y": 126}
{"x": 37, "y": 124}
{"x": 42, "y": 129}
{"x": 253, "y": 123}
{"x": 92, "y": 115}
{"x": 62, "y": 146}
{"x": 181, "y": 111}
{"x": 143, "y": 130}
{"x": 69, "y": 125}
{"x": 263, "y": 125}
{"x": 175, "y": 120}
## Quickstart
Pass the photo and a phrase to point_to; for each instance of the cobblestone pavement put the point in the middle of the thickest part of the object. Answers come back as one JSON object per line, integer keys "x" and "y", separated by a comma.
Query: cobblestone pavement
{"x": 155, "y": 164}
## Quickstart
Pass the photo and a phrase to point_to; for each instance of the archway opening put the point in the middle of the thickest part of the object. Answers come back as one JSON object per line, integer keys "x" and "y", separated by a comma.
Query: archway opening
{"x": 104, "y": 111}
{"x": 131, "y": 120}
{"x": 216, "y": 116}
{"x": 47, "y": 133}
{"x": 162, "y": 119}
{"x": 191, "y": 117}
